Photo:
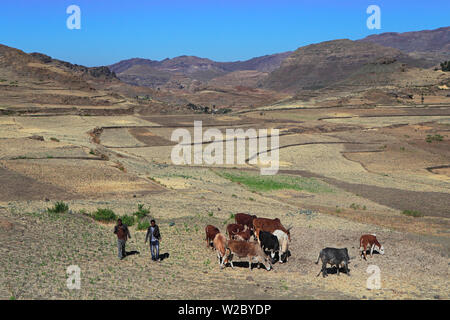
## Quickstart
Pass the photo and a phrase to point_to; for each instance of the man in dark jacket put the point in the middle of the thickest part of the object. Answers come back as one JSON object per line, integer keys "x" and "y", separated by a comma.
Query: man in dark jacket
{"x": 122, "y": 232}
{"x": 155, "y": 237}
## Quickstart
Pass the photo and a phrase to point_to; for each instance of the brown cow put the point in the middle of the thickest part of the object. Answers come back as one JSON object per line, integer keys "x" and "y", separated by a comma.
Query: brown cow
{"x": 250, "y": 250}
{"x": 369, "y": 240}
{"x": 243, "y": 235}
{"x": 269, "y": 225}
{"x": 245, "y": 219}
{"x": 211, "y": 232}
{"x": 234, "y": 228}
{"x": 220, "y": 244}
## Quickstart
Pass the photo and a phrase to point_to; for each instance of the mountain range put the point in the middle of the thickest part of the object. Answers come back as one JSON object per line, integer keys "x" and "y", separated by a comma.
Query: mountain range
{"x": 312, "y": 66}
{"x": 395, "y": 64}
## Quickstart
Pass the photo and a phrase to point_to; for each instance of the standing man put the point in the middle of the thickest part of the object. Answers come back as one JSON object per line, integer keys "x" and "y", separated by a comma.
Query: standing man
{"x": 155, "y": 237}
{"x": 122, "y": 232}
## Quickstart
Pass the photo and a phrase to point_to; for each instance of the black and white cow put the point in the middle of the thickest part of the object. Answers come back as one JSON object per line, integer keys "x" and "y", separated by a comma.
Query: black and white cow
{"x": 334, "y": 257}
{"x": 269, "y": 242}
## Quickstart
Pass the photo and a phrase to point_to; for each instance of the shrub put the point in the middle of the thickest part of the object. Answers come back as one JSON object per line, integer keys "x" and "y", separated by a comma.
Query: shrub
{"x": 436, "y": 137}
{"x": 445, "y": 66}
{"x": 144, "y": 225}
{"x": 128, "y": 220}
{"x": 105, "y": 215}
{"x": 412, "y": 213}
{"x": 59, "y": 207}
{"x": 141, "y": 212}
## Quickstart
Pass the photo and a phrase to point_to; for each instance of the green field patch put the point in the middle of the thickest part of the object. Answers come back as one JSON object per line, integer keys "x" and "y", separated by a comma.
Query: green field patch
{"x": 257, "y": 182}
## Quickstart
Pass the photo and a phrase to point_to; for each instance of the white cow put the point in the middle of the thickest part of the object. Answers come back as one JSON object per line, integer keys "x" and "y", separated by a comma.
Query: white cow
{"x": 283, "y": 240}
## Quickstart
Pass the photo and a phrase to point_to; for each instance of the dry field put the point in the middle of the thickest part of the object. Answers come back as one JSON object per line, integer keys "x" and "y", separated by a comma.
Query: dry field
{"x": 344, "y": 171}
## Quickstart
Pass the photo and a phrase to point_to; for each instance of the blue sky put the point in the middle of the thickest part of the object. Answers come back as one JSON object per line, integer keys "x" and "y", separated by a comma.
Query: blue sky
{"x": 113, "y": 30}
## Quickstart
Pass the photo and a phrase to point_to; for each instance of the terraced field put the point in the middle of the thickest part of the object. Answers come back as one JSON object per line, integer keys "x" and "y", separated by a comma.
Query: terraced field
{"x": 343, "y": 172}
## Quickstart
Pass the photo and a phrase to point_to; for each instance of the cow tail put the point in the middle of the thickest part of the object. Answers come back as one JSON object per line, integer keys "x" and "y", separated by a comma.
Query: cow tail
{"x": 318, "y": 258}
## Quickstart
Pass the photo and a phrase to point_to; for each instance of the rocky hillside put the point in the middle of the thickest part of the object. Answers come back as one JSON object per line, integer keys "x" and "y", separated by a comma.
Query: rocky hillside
{"x": 433, "y": 45}
{"x": 16, "y": 64}
{"x": 323, "y": 64}
{"x": 34, "y": 82}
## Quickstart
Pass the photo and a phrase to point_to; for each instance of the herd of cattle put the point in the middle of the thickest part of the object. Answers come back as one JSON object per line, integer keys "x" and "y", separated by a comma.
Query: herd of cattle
{"x": 260, "y": 240}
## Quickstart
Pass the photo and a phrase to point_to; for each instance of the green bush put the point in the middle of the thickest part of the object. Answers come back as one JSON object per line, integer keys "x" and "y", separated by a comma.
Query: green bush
{"x": 412, "y": 213}
{"x": 128, "y": 220}
{"x": 105, "y": 215}
{"x": 445, "y": 66}
{"x": 144, "y": 225}
{"x": 141, "y": 212}
{"x": 59, "y": 207}
{"x": 436, "y": 137}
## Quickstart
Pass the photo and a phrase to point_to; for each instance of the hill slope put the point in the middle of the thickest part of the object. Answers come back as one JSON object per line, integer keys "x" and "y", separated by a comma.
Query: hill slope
{"x": 433, "y": 45}
{"x": 35, "y": 79}
{"x": 320, "y": 65}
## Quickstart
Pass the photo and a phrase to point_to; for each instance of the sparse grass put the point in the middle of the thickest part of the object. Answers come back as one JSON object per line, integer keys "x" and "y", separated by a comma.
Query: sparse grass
{"x": 59, "y": 207}
{"x": 83, "y": 212}
{"x": 284, "y": 285}
{"x": 105, "y": 215}
{"x": 54, "y": 139}
{"x": 177, "y": 175}
{"x": 412, "y": 213}
{"x": 277, "y": 182}
{"x": 120, "y": 166}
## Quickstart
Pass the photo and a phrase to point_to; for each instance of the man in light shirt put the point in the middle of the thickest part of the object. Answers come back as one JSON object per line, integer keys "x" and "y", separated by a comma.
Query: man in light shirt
{"x": 155, "y": 237}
